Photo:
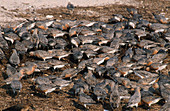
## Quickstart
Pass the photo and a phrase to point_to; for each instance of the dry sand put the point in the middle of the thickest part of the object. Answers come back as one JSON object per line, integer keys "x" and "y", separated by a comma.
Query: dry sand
{"x": 10, "y": 8}
{"x": 13, "y": 4}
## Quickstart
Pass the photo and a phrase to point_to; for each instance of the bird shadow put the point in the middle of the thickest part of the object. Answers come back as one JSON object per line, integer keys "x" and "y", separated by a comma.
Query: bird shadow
{"x": 6, "y": 86}
{"x": 9, "y": 90}
{"x": 66, "y": 13}
{"x": 161, "y": 102}
{"x": 41, "y": 95}
{"x": 4, "y": 75}
{"x": 13, "y": 108}
{"x": 71, "y": 93}
{"x": 144, "y": 106}
{"x": 79, "y": 106}
{"x": 58, "y": 92}
{"x": 126, "y": 108}
{"x": 107, "y": 106}
{"x": 19, "y": 107}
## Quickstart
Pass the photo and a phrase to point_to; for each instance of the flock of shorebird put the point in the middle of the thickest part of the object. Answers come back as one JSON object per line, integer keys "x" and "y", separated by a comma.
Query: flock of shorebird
{"x": 121, "y": 59}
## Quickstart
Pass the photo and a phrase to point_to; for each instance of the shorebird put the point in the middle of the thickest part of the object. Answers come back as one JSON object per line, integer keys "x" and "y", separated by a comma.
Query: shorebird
{"x": 114, "y": 96}
{"x": 11, "y": 37}
{"x": 106, "y": 49}
{"x": 160, "y": 18}
{"x": 44, "y": 24}
{"x": 28, "y": 70}
{"x": 132, "y": 23}
{"x": 158, "y": 66}
{"x": 87, "y": 39}
{"x": 148, "y": 98}
{"x": 90, "y": 46}
{"x": 16, "y": 86}
{"x": 10, "y": 70}
{"x": 70, "y": 6}
{"x": 55, "y": 32}
{"x": 99, "y": 60}
{"x": 100, "y": 70}
{"x": 99, "y": 92}
{"x": 144, "y": 74}
{"x": 69, "y": 24}
{"x": 165, "y": 107}
{"x": 158, "y": 27}
{"x": 42, "y": 80}
{"x": 135, "y": 98}
{"x": 77, "y": 54}
{"x": 69, "y": 73}
{"x": 52, "y": 42}
{"x": 42, "y": 54}
{"x": 14, "y": 58}
{"x": 20, "y": 47}
{"x": 46, "y": 88}
{"x": 59, "y": 53}
{"x": 116, "y": 18}
{"x": 3, "y": 42}
{"x": 58, "y": 25}
{"x": 110, "y": 62}
{"x": 103, "y": 40}
{"x": 87, "y": 32}
{"x": 16, "y": 76}
{"x": 104, "y": 83}
{"x": 124, "y": 70}
{"x": 75, "y": 41}
{"x": 146, "y": 44}
{"x": 80, "y": 84}
{"x": 86, "y": 23}
{"x": 35, "y": 38}
{"x": 85, "y": 99}
{"x": 148, "y": 80}
{"x": 91, "y": 66}
{"x": 126, "y": 59}
{"x": 2, "y": 55}
{"x": 61, "y": 82}
{"x": 91, "y": 80}
{"x": 28, "y": 44}
{"x": 56, "y": 63}
{"x": 42, "y": 65}
{"x": 112, "y": 72}
{"x": 60, "y": 43}
{"x": 164, "y": 85}
{"x": 132, "y": 11}
{"x": 82, "y": 65}
{"x": 123, "y": 92}
{"x": 140, "y": 33}
{"x": 43, "y": 41}
{"x": 140, "y": 51}
{"x": 90, "y": 53}
{"x": 157, "y": 57}
{"x": 74, "y": 31}
{"x": 124, "y": 81}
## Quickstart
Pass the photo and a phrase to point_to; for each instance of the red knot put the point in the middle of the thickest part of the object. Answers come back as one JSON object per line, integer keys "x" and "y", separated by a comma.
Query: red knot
{"x": 14, "y": 58}
{"x": 85, "y": 99}
{"x": 135, "y": 98}
{"x": 114, "y": 96}
{"x": 16, "y": 86}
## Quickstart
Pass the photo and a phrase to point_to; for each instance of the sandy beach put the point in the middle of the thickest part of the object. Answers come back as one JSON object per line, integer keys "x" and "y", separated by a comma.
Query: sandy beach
{"x": 10, "y": 8}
